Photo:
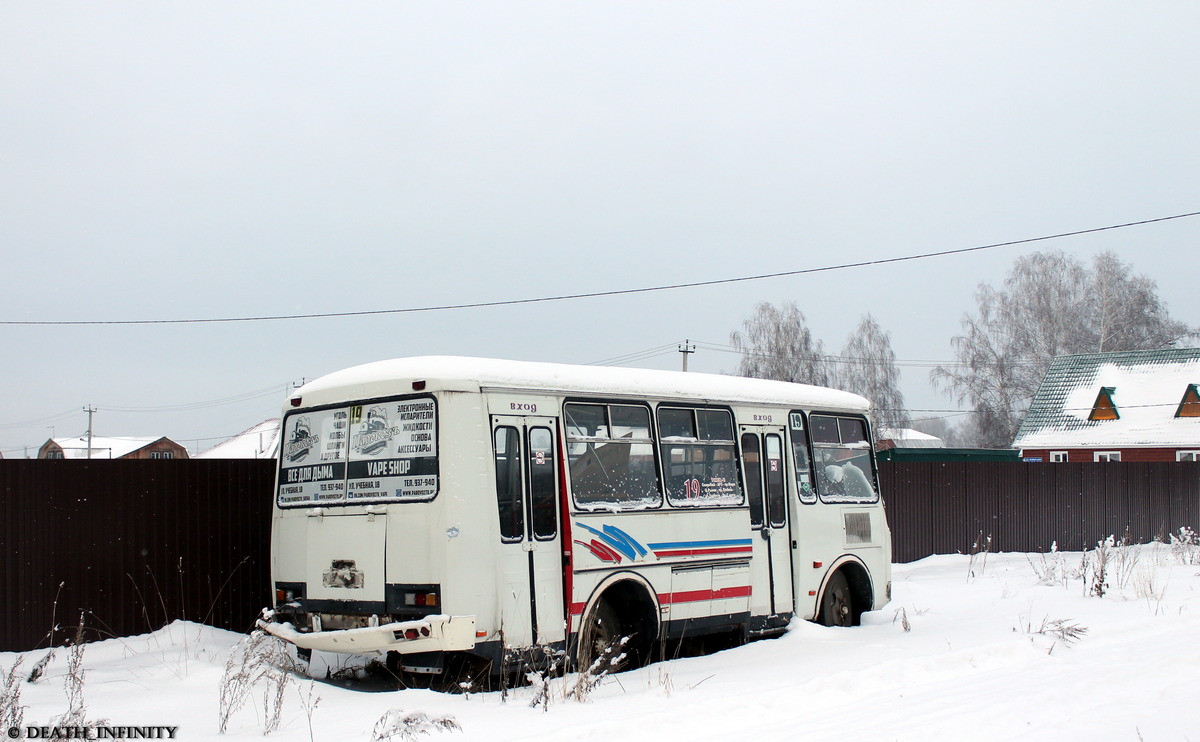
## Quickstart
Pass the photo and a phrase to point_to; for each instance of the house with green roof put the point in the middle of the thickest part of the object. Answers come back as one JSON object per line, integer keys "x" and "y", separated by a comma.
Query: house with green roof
{"x": 1138, "y": 405}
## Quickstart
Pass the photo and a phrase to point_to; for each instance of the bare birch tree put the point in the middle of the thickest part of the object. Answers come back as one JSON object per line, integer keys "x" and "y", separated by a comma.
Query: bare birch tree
{"x": 1051, "y": 304}
{"x": 867, "y": 366}
{"x": 775, "y": 343}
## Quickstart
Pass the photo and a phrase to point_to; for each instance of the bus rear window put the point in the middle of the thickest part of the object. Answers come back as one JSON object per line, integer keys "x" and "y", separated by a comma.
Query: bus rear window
{"x": 378, "y": 451}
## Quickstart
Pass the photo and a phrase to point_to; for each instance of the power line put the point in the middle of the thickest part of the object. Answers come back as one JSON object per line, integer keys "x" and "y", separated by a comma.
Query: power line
{"x": 245, "y": 397}
{"x": 596, "y": 294}
{"x": 899, "y": 362}
{"x": 40, "y": 421}
{"x": 184, "y": 407}
{"x": 639, "y": 355}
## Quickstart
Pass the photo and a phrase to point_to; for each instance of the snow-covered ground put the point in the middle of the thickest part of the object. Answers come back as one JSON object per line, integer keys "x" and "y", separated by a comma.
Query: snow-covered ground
{"x": 969, "y": 649}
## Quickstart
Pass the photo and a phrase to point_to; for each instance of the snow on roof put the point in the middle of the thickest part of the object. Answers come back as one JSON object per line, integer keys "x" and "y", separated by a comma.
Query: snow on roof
{"x": 909, "y": 438}
{"x": 1147, "y": 387}
{"x": 384, "y": 378}
{"x": 257, "y": 442}
{"x": 102, "y": 448}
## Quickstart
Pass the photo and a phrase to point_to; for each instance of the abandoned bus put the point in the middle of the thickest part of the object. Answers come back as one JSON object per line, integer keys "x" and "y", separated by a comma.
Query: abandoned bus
{"x": 437, "y": 507}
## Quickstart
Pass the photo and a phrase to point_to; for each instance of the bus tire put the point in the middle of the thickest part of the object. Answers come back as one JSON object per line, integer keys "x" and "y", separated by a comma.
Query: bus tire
{"x": 601, "y": 635}
{"x": 837, "y": 602}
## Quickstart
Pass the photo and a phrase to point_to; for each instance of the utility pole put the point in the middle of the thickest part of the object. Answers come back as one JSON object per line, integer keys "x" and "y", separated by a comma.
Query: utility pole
{"x": 90, "y": 411}
{"x": 686, "y": 350}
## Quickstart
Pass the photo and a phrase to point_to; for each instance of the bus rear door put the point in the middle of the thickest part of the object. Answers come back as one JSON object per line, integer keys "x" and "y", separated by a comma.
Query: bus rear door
{"x": 766, "y": 491}
{"x": 531, "y": 590}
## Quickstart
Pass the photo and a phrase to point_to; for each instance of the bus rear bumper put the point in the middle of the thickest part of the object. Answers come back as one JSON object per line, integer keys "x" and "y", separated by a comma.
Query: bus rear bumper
{"x": 437, "y": 633}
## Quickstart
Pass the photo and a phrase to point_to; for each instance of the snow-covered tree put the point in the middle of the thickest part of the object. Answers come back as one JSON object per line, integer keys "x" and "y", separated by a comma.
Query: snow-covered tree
{"x": 867, "y": 366}
{"x": 1051, "y": 304}
{"x": 775, "y": 343}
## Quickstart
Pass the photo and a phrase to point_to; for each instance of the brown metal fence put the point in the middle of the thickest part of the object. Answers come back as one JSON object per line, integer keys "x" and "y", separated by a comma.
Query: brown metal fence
{"x": 945, "y": 508}
{"x": 131, "y": 545}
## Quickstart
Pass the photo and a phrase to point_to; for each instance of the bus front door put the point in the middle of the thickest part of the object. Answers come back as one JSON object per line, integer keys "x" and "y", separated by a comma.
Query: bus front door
{"x": 531, "y": 570}
{"x": 771, "y": 603}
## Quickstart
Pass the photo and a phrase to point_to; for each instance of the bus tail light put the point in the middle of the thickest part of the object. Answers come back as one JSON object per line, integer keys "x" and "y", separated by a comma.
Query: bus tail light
{"x": 286, "y": 592}
{"x": 413, "y": 600}
{"x": 412, "y": 633}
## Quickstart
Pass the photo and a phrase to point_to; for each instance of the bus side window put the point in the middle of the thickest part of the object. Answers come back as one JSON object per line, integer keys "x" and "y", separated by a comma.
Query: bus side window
{"x": 754, "y": 487}
{"x": 543, "y": 484}
{"x": 776, "y": 492}
{"x": 804, "y": 486}
{"x": 610, "y": 457}
{"x": 508, "y": 484}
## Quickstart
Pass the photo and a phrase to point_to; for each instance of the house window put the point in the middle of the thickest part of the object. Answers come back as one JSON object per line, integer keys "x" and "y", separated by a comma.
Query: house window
{"x": 1187, "y": 455}
{"x": 162, "y": 454}
{"x": 54, "y": 455}
{"x": 1058, "y": 457}
{"x": 1189, "y": 406}
{"x": 1105, "y": 408}
{"x": 1106, "y": 456}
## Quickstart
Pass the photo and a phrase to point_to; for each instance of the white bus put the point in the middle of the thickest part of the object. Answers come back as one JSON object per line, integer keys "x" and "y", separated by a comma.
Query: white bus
{"x": 438, "y": 507}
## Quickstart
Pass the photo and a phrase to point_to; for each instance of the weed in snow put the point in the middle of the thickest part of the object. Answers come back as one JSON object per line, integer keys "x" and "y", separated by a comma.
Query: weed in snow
{"x": 309, "y": 704}
{"x": 398, "y": 726}
{"x": 12, "y": 713}
{"x": 1063, "y": 630}
{"x": 39, "y": 668}
{"x": 259, "y": 660}
{"x": 1186, "y": 546}
{"x": 76, "y": 714}
{"x": 979, "y": 553}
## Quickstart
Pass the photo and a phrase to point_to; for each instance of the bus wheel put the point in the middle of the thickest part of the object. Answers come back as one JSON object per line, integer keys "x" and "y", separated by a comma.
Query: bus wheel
{"x": 600, "y": 642}
{"x": 837, "y": 604}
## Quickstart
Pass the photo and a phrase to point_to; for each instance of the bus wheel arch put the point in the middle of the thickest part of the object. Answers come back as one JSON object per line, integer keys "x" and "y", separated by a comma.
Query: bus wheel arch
{"x": 629, "y": 601}
{"x": 845, "y": 595}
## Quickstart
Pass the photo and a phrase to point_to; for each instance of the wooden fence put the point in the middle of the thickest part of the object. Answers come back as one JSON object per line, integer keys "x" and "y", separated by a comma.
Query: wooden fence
{"x": 130, "y": 545}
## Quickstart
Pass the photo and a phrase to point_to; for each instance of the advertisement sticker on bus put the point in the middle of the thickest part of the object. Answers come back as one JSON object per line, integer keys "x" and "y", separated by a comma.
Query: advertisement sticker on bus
{"x": 313, "y": 457}
{"x": 393, "y": 451}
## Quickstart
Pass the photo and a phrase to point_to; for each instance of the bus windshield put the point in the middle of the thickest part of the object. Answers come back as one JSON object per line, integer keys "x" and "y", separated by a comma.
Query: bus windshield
{"x": 842, "y": 459}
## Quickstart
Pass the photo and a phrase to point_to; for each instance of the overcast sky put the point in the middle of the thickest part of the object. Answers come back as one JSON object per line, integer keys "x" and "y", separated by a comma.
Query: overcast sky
{"x": 233, "y": 159}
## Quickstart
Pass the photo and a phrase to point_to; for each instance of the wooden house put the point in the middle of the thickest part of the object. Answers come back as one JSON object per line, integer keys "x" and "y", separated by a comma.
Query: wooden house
{"x": 111, "y": 448}
{"x": 1141, "y": 405}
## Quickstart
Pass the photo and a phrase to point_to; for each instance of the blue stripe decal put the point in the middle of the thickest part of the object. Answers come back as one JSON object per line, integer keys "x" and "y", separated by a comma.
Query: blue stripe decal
{"x": 699, "y": 544}
{"x": 618, "y": 539}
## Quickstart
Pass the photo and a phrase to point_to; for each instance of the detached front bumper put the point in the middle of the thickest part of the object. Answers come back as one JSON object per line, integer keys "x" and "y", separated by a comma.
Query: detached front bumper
{"x": 438, "y": 633}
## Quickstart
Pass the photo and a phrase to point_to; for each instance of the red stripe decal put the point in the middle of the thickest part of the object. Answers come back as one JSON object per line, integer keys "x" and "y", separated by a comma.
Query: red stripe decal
{"x": 731, "y": 592}
{"x": 692, "y": 596}
{"x": 601, "y": 551}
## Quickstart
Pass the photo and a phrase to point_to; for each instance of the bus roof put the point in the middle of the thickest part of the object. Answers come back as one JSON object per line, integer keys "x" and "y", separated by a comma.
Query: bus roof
{"x": 388, "y": 378}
